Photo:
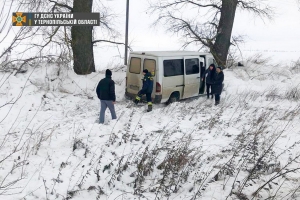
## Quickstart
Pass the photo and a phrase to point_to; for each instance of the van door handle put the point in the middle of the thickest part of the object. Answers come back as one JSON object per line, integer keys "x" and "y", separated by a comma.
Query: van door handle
{"x": 179, "y": 85}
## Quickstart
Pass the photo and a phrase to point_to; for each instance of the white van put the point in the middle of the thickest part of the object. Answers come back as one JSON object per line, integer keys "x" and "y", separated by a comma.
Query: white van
{"x": 177, "y": 74}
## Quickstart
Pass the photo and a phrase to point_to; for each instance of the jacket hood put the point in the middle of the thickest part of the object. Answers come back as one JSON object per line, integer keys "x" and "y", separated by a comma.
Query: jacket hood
{"x": 108, "y": 72}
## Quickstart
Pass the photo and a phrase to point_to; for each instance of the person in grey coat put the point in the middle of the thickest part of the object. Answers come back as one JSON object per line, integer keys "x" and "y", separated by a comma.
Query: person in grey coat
{"x": 217, "y": 86}
{"x": 106, "y": 93}
{"x": 211, "y": 71}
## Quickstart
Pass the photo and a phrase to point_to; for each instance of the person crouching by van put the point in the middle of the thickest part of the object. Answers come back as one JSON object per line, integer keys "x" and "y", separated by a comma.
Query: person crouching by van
{"x": 106, "y": 93}
{"x": 211, "y": 71}
{"x": 146, "y": 89}
{"x": 218, "y": 84}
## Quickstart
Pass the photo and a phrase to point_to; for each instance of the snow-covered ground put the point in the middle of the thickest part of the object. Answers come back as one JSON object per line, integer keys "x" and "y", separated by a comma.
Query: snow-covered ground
{"x": 51, "y": 146}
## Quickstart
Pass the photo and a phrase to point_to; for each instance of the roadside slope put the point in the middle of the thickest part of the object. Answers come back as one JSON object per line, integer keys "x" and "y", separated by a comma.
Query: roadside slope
{"x": 52, "y": 147}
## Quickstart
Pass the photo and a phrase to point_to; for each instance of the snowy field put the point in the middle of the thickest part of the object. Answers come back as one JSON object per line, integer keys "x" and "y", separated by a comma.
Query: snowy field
{"x": 51, "y": 146}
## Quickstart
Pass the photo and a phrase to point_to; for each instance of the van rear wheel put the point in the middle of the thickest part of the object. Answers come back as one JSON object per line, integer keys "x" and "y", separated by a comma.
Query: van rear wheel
{"x": 173, "y": 98}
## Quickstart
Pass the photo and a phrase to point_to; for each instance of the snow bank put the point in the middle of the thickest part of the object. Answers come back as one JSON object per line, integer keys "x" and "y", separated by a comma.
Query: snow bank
{"x": 52, "y": 148}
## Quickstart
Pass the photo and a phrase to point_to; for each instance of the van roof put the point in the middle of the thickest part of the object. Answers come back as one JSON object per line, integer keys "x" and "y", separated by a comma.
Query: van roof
{"x": 169, "y": 53}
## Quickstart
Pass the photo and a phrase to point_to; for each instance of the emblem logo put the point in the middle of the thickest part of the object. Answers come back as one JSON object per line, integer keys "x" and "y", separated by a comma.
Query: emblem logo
{"x": 18, "y": 19}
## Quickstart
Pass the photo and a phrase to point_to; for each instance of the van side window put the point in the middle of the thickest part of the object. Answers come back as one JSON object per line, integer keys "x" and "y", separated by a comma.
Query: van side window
{"x": 173, "y": 67}
{"x": 150, "y": 65}
{"x": 135, "y": 65}
{"x": 192, "y": 66}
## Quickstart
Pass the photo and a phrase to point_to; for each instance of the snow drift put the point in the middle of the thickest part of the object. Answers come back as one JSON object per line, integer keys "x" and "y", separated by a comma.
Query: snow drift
{"x": 51, "y": 146}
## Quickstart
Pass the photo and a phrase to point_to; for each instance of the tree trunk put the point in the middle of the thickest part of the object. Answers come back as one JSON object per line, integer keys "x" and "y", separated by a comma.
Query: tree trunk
{"x": 82, "y": 46}
{"x": 222, "y": 43}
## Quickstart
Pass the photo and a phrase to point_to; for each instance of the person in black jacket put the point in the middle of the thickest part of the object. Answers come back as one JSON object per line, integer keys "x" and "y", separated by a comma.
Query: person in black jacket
{"x": 146, "y": 89}
{"x": 211, "y": 71}
{"x": 218, "y": 84}
{"x": 106, "y": 93}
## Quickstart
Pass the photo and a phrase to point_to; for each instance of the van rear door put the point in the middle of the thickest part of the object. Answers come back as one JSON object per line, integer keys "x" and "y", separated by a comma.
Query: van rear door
{"x": 192, "y": 76}
{"x": 137, "y": 64}
{"x": 134, "y": 75}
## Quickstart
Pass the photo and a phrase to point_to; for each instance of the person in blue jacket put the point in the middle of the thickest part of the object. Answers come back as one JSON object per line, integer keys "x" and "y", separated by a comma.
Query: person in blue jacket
{"x": 146, "y": 89}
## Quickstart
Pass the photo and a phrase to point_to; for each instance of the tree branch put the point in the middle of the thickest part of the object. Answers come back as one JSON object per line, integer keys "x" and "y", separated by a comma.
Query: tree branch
{"x": 190, "y": 29}
{"x": 95, "y": 41}
{"x": 253, "y": 7}
{"x": 61, "y": 5}
{"x": 167, "y": 5}
{"x": 204, "y": 6}
{"x": 108, "y": 41}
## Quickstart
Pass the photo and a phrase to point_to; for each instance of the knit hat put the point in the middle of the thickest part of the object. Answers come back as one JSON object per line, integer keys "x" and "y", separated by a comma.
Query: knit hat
{"x": 212, "y": 65}
{"x": 145, "y": 71}
{"x": 219, "y": 67}
{"x": 108, "y": 72}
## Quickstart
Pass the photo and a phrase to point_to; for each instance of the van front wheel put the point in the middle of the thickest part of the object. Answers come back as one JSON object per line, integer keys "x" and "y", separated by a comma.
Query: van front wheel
{"x": 173, "y": 98}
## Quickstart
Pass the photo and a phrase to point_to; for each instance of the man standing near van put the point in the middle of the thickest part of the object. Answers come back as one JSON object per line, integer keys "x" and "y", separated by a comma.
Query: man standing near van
{"x": 106, "y": 93}
{"x": 217, "y": 86}
{"x": 209, "y": 79}
{"x": 146, "y": 89}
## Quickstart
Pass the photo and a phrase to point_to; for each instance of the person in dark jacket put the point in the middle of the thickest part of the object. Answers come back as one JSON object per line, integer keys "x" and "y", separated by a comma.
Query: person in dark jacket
{"x": 146, "y": 89}
{"x": 211, "y": 71}
{"x": 106, "y": 93}
{"x": 218, "y": 84}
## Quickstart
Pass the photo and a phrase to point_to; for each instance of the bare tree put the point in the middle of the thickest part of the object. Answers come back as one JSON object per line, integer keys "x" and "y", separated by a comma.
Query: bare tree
{"x": 69, "y": 43}
{"x": 82, "y": 45}
{"x": 207, "y": 23}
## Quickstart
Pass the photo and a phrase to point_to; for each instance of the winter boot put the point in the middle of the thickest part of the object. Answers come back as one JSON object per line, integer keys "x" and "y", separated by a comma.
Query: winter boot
{"x": 217, "y": 103}
{"x": 149, "y": 107}
{"x": 137, "y": 100}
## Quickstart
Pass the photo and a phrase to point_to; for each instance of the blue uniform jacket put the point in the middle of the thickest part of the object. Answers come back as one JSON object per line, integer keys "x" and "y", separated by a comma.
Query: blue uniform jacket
{"x": 147, "y": 83}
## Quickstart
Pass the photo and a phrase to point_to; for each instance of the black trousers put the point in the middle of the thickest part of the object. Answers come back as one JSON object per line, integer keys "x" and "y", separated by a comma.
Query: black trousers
{"x": 209, "y": 89}
{"x": 217, "y": 97}
{"x": 148, "y": 95}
